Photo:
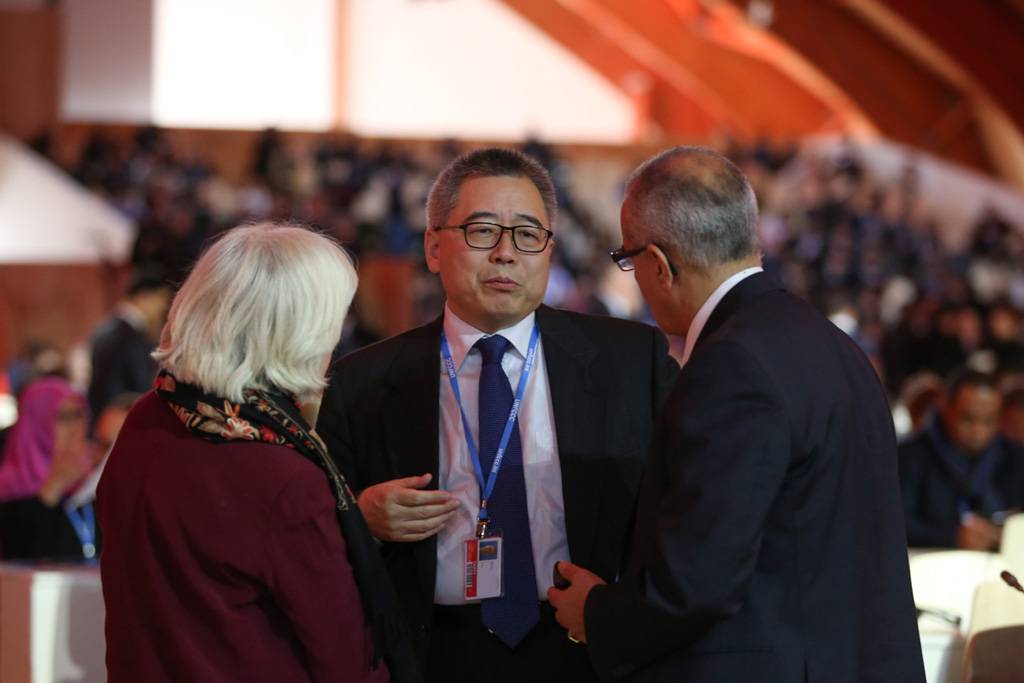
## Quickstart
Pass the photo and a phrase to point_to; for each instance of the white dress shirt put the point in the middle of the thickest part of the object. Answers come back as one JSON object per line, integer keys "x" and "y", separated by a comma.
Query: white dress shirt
{"x": 541, "y": 470}
{"x": 701, "y": 319}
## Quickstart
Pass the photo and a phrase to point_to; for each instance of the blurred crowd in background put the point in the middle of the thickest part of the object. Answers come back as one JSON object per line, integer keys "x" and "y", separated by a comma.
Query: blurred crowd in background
{"x": 869, "y": 254}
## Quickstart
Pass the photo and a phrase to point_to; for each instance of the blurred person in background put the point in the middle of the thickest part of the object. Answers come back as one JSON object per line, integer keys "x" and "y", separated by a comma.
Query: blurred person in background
{"x": 914, "y": 409}
{"x": 1005, "y": 331}
{"x": 960, "y": 477}
{"x": 107, "y": 427}
{"x": 121, "y": 347}
{"x": 1011, "y": 419}
{"x": 234, "y": 549}
{"x": 37, "y": 359}
{"x": 45, "y": 457}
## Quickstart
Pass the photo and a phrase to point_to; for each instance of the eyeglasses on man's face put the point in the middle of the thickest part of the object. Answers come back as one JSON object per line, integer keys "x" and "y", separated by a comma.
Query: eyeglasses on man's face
{"x": 530, "y": 239}
{"x": 623, "y": 258}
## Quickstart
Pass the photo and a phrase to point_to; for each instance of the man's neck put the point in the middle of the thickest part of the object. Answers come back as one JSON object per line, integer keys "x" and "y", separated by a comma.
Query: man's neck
{"x": 486, "y": 324}
{"x": 697, "y": 287}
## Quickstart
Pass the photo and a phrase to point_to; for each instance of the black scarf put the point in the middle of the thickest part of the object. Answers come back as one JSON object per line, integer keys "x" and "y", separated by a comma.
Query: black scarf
{"x": 275, "y": 418}
{"x": 975, "y": 476}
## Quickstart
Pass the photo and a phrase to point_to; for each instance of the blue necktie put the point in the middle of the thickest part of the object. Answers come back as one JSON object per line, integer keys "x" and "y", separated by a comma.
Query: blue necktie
{"x": 511, "y": 616}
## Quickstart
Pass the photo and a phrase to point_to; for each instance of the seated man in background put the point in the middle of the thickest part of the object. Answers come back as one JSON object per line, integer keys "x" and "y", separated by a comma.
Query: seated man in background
{"x": 960, "y": 477}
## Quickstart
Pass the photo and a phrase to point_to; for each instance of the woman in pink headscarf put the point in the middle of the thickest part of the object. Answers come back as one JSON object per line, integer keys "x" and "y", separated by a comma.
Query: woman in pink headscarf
{"x": 45, "y": 455}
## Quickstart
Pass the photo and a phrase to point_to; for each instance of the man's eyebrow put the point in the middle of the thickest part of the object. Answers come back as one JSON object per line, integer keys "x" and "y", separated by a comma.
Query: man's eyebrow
{"x": 527, "y": 218}
{"x": 491, "y": 216}
{"x": 481, "y": 214}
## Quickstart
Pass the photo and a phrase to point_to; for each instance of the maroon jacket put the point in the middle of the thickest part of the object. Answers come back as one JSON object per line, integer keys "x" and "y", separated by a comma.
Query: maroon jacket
{"x": 223, "y": 562}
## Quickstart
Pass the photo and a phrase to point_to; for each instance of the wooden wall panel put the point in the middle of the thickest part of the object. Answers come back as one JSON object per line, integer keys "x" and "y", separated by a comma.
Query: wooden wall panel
{"x": 29, "y": 70}
{"x": 56, "y": 304}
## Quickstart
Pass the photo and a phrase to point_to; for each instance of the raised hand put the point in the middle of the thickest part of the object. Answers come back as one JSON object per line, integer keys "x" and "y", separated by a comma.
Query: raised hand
{"x": 399, "y": 510}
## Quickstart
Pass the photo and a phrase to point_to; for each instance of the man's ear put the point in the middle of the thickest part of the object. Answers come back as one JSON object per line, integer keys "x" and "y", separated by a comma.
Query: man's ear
{"x": 663, "y": 272}
{"x": 431, "y": 247}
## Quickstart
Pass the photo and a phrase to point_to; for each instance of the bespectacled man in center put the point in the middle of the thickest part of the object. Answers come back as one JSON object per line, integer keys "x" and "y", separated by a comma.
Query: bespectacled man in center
{"x": 499, "y": 439}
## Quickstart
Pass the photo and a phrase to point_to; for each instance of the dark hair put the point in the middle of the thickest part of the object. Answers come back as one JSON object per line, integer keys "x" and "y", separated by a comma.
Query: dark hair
{"x": 488, "y": 162}
{"x": 149, "y": 278}
{"x": 965, "y": 377}
{"x": 1014, "y": 397}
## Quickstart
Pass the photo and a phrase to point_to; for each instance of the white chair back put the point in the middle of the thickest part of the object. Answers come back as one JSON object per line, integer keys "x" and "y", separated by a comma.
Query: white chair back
{"x": 1012, "y": 546}
{"x": 994, "y": 652}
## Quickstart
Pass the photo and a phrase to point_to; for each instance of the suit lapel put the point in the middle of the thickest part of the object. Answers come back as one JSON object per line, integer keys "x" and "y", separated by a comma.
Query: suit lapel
{"x": 568, "y": 356}
{"x": 410, "y": 419}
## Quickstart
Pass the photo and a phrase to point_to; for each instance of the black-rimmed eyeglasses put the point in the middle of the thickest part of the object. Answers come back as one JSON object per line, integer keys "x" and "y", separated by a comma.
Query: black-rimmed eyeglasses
{"x": 530, "y": 239}
{"x": 623, "y": 258}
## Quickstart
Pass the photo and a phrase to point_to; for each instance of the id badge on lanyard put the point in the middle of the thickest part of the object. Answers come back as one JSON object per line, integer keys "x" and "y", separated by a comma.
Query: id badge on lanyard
{"x": 483, "y": 576}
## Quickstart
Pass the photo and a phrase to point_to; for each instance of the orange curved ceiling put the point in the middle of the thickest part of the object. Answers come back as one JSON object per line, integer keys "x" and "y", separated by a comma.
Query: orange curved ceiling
{"x": 944, "y": 76}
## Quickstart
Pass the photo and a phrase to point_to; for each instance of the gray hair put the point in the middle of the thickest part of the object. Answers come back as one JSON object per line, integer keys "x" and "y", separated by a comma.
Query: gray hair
{"x": 493, "y": 162}
{"x": 261, "y": 309}
{"x": 696, "y": 204}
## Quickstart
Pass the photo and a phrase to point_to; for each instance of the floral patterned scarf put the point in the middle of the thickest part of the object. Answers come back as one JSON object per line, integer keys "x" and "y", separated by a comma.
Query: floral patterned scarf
{"x": 275, "y": 418}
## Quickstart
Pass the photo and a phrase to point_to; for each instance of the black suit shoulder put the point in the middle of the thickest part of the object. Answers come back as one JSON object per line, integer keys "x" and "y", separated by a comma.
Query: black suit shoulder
{"x": 121, "y": 363}
{"x": 630, "y": 352}
{"x": 377, "y": 359}
{"x": 597, "y": 324}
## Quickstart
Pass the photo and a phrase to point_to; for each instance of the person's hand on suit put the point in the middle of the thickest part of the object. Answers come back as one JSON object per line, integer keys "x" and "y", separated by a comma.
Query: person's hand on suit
{"x": 570, "y": 602}
{"x": 399, "y": 510}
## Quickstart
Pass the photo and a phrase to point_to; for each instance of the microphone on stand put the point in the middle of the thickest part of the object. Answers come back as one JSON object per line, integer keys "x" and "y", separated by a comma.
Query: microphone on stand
{"x": 948, "y": 617}
{"x": 1011, "y": 580}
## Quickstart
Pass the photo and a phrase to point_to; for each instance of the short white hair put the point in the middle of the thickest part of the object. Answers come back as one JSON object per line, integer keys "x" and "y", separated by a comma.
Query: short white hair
{"x": 262, "y": 309}
{"x": 696, "y": 204}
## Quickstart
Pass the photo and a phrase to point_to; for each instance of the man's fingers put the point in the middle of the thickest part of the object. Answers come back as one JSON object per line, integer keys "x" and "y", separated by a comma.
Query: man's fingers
{"x": 417, "y": 482}
{"x": 413, "y": 498}
{"x": 420, "y": 529}
{"x": 568, "y": 570}
{"x": 409, "y": 513}
{"x": 434, "y": 511}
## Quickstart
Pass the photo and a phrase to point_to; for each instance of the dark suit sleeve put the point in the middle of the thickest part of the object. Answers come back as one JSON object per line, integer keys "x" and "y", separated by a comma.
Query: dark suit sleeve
{"x": 716, "y": 465}
{"x": 332, "y": 425}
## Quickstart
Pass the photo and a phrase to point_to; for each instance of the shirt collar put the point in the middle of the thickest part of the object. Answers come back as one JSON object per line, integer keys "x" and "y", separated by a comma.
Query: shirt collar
{"x": 132, "y": 315}
{"x": 701, "y": 319}
{"x": 462, "y": 336}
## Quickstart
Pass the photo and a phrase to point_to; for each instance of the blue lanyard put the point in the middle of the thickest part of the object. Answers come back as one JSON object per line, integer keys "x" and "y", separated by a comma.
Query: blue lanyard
{"x": 486, "y": 487}
{"x": 85, "y": 528}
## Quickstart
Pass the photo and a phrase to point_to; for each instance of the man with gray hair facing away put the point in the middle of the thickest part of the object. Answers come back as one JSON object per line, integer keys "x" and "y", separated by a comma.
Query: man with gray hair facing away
{"x": 561, "y": 405}
{"x": 768, "y": 543}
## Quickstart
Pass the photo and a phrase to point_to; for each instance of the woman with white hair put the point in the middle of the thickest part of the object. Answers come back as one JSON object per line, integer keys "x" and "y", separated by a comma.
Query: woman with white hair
{"x": 233, "y": 547}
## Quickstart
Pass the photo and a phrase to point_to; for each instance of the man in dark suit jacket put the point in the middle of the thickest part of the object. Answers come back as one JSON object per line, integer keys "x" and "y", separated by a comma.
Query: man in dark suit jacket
{"x": 391, "y": 421}
{"x": 121, "y": 346}
{"x": 769, "y": 543}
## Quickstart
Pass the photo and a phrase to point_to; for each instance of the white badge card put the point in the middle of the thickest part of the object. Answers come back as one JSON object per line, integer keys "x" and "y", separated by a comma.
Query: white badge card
{"x": 483, "y": 568}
